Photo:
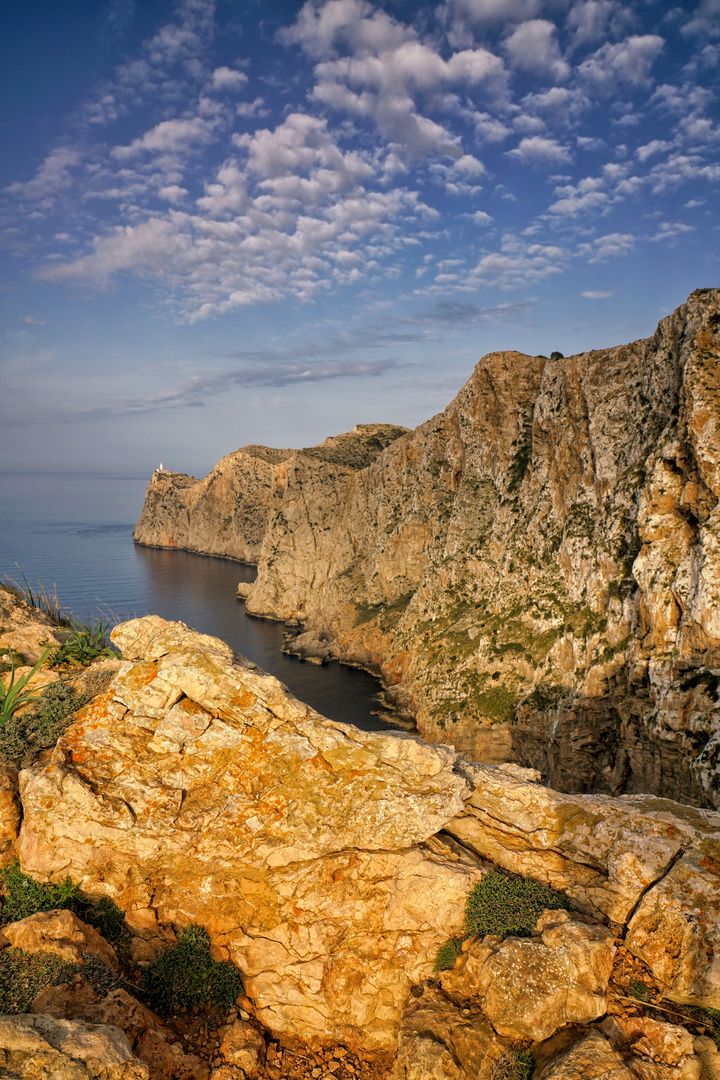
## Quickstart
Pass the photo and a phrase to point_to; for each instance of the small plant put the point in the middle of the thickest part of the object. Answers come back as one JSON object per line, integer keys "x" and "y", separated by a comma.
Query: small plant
{"x": 502, "y": 905}
{"x": 515, "y": 1065}
{"x": 87, "y": 642}
{"x": 447, "y": 954}
{"x": 16, "y": 695}
{"x": 639, "y": 990}
{"x": 23, "y": 896}
{"x": 48, "y": 603}
{"x": 24, "y": 737}
{"x": 710, "y": 1020}
{"x": 186, "y": 975}
{"x": 24, "y": 975}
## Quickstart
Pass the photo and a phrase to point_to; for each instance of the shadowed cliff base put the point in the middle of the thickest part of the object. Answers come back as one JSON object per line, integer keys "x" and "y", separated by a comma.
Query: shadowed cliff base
{"x": 534, "y": 572}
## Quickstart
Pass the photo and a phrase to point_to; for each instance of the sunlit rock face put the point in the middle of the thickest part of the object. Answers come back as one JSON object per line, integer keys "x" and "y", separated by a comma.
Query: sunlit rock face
{"x": 330, "y": 864}
{"x": 535, "y": 572}
{"x": 197, "y": 790}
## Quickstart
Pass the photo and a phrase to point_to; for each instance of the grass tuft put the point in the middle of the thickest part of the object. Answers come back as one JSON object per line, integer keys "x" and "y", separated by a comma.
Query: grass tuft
{"x": 23, "y": 737}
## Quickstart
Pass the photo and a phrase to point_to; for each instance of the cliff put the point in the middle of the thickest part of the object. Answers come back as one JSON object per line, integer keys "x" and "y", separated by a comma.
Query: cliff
{"x": 535, "y": 571}
{"x": 227, "y": 512}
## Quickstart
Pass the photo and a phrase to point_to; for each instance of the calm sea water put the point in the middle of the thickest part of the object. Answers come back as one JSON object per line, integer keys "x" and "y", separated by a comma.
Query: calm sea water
{"x": 73, "y": 532}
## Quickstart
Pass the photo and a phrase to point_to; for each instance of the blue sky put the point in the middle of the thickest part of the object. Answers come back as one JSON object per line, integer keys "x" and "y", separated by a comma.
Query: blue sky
{"x": 231, "y": 222}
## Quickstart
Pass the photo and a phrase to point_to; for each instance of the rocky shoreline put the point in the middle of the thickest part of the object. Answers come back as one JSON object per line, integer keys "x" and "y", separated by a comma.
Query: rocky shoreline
{"x": 328, "y": 865}
{"x": 533, "y": 573}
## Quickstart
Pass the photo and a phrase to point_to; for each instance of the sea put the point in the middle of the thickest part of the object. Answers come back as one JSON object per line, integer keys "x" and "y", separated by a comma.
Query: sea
{"x": 71, "y": 534}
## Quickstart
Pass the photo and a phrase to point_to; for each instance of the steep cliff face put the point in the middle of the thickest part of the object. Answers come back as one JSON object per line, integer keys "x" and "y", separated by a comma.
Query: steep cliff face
{"x": 535, "y": 571}
{"x": 226, "y": 513}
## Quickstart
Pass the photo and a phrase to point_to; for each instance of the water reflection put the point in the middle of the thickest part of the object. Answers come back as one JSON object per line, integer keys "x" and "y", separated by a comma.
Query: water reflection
{"x": 200, "y": 591}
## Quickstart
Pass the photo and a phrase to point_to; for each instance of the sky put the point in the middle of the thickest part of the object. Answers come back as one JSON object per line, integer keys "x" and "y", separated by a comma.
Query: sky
{"x": 228, "y": 222}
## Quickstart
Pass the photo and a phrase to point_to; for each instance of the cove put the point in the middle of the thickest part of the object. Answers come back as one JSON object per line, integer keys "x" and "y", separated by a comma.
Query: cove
{"x": 73, "y": 532}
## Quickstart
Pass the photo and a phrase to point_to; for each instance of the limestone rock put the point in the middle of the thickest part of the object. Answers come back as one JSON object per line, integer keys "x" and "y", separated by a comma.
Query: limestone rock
{"x": 150, "y": 1040}
{"x": 675, "y": 930}
{"x": 62, "y": 934}
{"x": 36, "y": 1047}
{"x": 241, "y": 1048}
{"x": 589, "y": 1058}
{"x": 439, "y": 1041}
{"x": 10, "y": 814}
{"x": 530, "y": 987}
{"x": 654, "y": 1050}
{"x": 605, "y": 853}
{"x": 227, "y": 512}
{"x": 534, "y": 572}
{"x": 197, "y": 790}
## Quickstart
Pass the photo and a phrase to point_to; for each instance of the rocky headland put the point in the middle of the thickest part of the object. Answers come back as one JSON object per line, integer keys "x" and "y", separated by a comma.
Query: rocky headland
{"x": 534, "y": 573}
{"x": 328, "y": 865}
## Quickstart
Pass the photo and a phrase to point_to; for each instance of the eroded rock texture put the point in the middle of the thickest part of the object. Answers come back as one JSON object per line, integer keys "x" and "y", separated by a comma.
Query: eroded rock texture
{"x": 198, "y": 791}
{"x": 329, "y": 864}
{"x": 535, "y": 572}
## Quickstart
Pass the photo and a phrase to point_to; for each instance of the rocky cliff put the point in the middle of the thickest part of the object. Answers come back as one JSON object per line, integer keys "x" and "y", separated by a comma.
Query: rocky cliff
{"x": 535, "y": 571}
{"x": 328, "y": 864}
{"x": 227, "y": 512}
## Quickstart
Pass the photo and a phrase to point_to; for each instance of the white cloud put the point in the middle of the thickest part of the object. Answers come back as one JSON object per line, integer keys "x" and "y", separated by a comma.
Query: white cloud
{"x": 611, "y": 245}
{"x": 594, "y": 294}
{"x": 581, "y": 198}
{"x": 481, "y": 218}
{"x": 705, "y": 21}
{"x": 595, "y": 20}
{"x": 628, "y": 62}
{"x": 173, "y": 193}
{"x": 518, "y": 264}
{"x": 670, "y": 230}
{"x": 385, "y": 72}
{"x": 533, "y": 47}
{"x": 29, "y": 321}
{"x": 481, "y": 11}
{"x": 169, "y": 136}
{"x": 225, "y": 78}
{"x": 52, "y": 177}
{"x": 288, "y": 216}
{"x": 656, "y": 146}
{"x": 541, "y": 151}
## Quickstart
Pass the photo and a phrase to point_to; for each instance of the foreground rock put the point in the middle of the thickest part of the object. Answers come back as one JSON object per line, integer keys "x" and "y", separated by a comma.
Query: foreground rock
{"x": 198, "y": 791}
{"x": 329, "y": 864}
{"x": 564, "y": 978}
{"x": 39, "y": 1047}
{"x": 534, "y": 572}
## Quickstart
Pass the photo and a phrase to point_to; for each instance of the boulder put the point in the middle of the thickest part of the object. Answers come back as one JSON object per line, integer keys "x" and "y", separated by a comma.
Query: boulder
{"x": 653, "y": 1049}
{"x": 440, "y": 1041}
{"x": 531, "y": 987}
{"x": 675, "y": 931}
{"x": 62, "y": 934}
{"x": 241, "y": 1049}
{"x": 198, "y": 790}
{"x": 590, "y": 1057}
{"x": 37, "y": 1047}
{"x": 10, "y": 814}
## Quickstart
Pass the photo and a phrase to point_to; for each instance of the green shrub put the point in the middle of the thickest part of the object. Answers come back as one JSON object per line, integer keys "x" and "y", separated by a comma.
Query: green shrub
{"x": 447, "y": 954}
{"x": 24, "y": 737}
{"x": 639, "y": 990}
{"x": 186, "y": 975}
{"x": 502, "y": 905}
{"x": 23, "y": 896}
{"x": 24, "y": 975}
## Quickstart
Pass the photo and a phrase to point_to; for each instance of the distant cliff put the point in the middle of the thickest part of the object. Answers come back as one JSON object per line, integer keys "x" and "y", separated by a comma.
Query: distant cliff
{"x": 535, "y": 572}
{"x": 227, "y": 512}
